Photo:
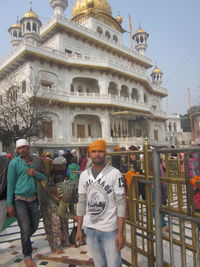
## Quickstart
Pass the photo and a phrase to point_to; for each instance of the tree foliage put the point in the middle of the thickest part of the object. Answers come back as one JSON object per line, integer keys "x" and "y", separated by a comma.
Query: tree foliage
{"x": 20, "y": 116}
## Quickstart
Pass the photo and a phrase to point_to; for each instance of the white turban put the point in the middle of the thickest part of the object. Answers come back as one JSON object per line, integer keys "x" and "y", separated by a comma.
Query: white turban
{"x": 22, "y": 142}
{"x": 73, "y": 151}
{"x": 61, "y": 152}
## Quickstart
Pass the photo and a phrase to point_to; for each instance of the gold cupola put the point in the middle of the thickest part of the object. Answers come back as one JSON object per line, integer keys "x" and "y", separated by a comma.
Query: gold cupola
{"x": 15, "y": 34}
{"x": 98, "y": 9}
{"x": 119, "y": 19}
{"x": 156, "y": 70}
{"x": 30, "y": 25}
{"x": 140, "y": 38}
{"x": 83, "y": 6}
{"x": 16, "y": 25}
{"x": 30, "y": 14}
{"x": 156, "y": 76}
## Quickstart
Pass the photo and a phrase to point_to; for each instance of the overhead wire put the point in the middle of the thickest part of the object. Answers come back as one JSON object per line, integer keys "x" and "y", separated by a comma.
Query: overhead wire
{"x": 185, "y": 61}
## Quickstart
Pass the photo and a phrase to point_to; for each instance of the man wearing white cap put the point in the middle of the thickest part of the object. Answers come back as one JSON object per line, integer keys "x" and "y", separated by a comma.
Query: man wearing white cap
{"x": 59, "y": 167}
{"x": 22, "y": 200}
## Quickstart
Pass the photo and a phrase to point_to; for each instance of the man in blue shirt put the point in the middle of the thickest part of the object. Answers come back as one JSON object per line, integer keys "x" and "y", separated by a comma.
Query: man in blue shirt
{"x": 22, "y": 200}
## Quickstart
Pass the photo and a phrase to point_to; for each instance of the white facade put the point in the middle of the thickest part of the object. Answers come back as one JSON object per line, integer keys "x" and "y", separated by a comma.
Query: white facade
{"x": 91, "y": 85}
{"x": 174, "y": 133}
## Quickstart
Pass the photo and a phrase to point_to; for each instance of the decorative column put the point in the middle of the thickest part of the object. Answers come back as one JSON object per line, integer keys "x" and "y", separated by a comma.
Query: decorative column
{"x": 103, "y": 84}
{"x": 105, "y": 124}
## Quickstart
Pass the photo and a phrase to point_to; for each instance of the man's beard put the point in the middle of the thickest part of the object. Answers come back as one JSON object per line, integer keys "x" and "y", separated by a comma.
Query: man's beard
{"x": 99, "y": 162}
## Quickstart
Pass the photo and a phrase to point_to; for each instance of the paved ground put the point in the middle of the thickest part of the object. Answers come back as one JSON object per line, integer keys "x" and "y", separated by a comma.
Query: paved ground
{"x": 10, "y": 251}
{"x": 11, "y": 255}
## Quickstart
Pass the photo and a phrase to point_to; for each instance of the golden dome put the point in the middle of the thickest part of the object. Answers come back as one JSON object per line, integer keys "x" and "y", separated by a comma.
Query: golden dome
{"x": 97, "y": 6}
{"x": 140, "y": 31}
{"x": 30, "y": 14}
{"x": 156, "y": 70}
{"x": 16, "y": 25}
{"x": 119, "y": 19}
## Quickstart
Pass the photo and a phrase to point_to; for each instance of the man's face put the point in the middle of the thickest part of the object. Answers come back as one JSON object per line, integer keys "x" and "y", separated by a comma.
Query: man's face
{"x": 98, "y": 157}
{"x": 23, "y": 151}
{"x": 133, "y": 156}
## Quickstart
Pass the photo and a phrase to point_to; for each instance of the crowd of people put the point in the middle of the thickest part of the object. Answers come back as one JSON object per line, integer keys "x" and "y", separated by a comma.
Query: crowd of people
{"x": 31, "y": 190}
{"x": 36, "y": 185}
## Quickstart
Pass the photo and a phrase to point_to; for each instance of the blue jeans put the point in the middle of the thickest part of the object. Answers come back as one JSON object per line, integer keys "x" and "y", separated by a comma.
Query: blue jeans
{"x": 28, "y": 216}
{"x": 102, "y": 248}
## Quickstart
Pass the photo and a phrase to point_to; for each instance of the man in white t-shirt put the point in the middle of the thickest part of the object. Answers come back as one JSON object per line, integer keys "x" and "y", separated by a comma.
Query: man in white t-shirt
{"x": 101, "y": 209}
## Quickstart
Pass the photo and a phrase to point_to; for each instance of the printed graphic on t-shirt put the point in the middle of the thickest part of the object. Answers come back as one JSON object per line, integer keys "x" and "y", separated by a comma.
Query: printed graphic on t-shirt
{"x": 97, "y": 203}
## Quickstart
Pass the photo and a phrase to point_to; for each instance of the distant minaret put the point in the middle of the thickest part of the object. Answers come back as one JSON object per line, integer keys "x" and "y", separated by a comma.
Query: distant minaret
{"x": 15, "y": 34}
{"x": 59, "y": 6}
{"x": 156, "y": 76}
{"x": 140, "y": 39}
{"x": 30, "y": 26}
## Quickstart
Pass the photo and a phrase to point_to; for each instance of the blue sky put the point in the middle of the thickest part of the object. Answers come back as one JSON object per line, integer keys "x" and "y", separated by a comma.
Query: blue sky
{"x": 174, "y": 39}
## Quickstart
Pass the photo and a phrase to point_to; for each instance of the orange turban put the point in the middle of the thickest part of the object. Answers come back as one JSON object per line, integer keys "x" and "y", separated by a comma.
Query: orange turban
{"x": 98, "y": 145}
{"x": 117, "y": 148}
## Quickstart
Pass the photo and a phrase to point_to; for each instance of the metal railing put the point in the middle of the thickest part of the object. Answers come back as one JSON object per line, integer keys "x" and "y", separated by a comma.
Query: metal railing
{"x": 179, "y": 245}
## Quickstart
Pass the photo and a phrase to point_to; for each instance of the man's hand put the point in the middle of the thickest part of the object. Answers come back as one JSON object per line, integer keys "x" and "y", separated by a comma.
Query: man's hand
{"x": 119, "y": 242}
{"x": 79, "y": 237}
{"x": 11, "y": 211}
{"x": 31, "y": 172}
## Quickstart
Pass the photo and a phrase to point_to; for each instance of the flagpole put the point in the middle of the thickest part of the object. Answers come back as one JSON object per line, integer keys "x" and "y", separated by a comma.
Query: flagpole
{"x": 131, "y": 31}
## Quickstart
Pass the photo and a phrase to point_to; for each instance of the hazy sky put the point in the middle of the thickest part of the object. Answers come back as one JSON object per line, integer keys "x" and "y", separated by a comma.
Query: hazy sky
{"x": 174, "y": 39}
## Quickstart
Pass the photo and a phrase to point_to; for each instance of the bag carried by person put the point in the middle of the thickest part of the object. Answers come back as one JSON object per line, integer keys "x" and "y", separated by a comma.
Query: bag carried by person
{"x": 72, "y": 237}
{"x": 68, "y": 190}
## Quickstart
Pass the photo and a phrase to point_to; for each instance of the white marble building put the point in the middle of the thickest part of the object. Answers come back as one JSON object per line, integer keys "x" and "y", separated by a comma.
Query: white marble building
{"x": 174, "y": 132}
{"x": 91, "y": 85}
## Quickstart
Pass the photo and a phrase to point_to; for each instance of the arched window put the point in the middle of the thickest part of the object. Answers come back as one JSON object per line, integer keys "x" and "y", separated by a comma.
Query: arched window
{"x": 28, "y": 26}
{"x": 134, "y": 94}
{"x": 115, "y": 38}
{"x": 112, "y": 89}
{"x": 170, "y": 127}
{"x": 15, "y": 34}
{"x": 175, "y": 127}
{"x": 107, "y": 34}
{"x": 141, "y": 39}
{"x": 145, "y": 99}
{"x": 99, "y": 30}
{"x": 34, "y": 27}
{"x": 124, "y": 91}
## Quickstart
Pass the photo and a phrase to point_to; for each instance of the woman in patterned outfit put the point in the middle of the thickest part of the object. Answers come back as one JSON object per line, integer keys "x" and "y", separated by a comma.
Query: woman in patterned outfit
{"x": 56, "y": 227}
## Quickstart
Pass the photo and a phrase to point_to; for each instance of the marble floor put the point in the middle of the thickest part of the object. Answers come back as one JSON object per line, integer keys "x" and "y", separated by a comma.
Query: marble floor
{"x": 10, "y": 251}
{"x": 11, "y": 255}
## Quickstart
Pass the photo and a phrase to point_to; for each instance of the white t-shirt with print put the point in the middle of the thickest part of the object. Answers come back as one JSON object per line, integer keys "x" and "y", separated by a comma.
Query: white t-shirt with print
{"x": 101, "y": 210}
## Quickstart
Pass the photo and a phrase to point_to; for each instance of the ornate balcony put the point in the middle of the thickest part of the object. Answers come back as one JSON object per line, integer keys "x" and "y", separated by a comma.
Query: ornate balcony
{"x": 91, "y": 98}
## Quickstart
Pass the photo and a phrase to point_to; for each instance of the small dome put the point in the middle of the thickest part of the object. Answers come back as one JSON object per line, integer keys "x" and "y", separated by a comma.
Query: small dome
{"x": 119, "y": 19}
{"x": 156, "y": 70}
{"x": 140, "y": 31}
{"x": 16, "y": 25}
{"x": 30, "y": 14}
